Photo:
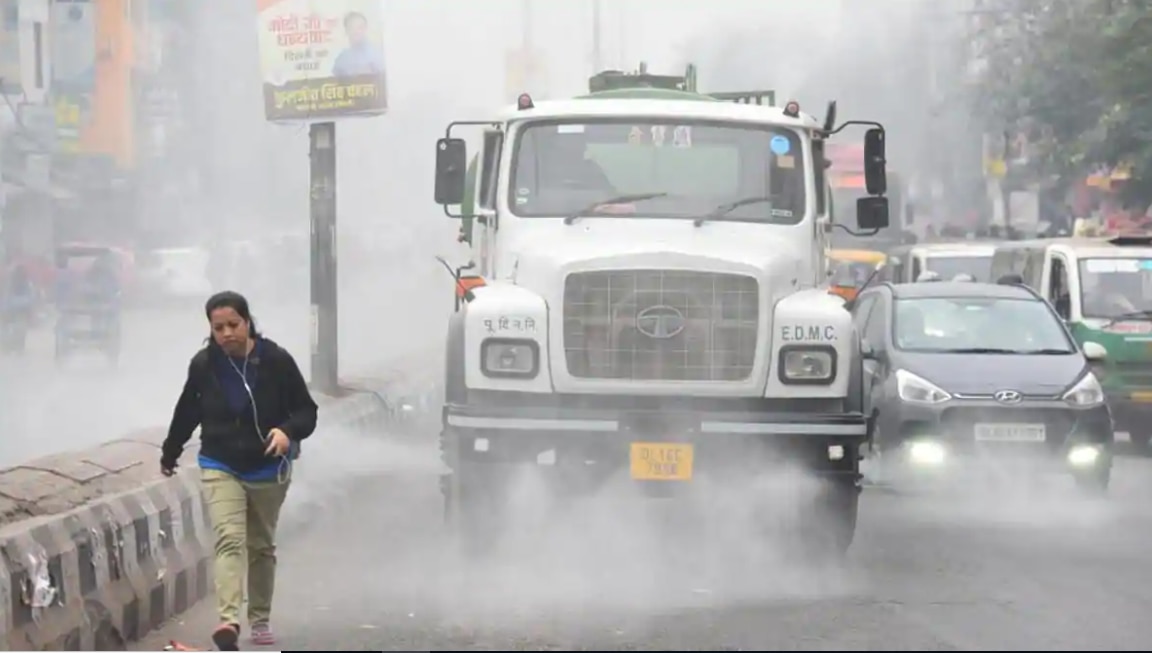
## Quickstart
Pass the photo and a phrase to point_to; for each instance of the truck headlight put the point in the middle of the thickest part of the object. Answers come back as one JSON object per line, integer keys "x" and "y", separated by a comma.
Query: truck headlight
{"x": 807, "y": 365}
{"x": 1086, "y": 393}
{"x": 510, "y": 359}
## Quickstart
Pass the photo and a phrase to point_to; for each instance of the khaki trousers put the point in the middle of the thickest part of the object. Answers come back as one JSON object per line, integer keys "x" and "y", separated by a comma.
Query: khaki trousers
{"x": 244, "y": 517}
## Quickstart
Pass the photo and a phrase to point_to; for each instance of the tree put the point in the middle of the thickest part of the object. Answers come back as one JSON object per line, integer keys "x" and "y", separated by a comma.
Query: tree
{"x": 1076, "y": 77}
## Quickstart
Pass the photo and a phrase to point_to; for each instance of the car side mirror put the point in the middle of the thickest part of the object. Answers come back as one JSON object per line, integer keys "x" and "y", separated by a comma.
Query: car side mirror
{"x": 872, "y": 213}
{"x": 451, "y": 170}
{"x": 872, "y": 353}
{"x": 875, "y": 162}
{"x": 1095, "y": 351}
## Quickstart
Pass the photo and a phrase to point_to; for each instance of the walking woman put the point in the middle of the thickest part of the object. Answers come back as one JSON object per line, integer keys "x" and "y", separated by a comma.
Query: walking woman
{"x": 252, "y": 405}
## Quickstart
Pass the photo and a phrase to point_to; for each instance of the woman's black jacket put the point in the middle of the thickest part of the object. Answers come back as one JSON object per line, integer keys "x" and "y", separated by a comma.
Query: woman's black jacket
{"x": 282, "y": 401}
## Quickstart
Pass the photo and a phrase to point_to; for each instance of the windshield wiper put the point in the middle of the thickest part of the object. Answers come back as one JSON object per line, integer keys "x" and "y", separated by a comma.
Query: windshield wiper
{"x": 725, "y": 209}
{"x": 1044, "y": 352}
{"x": 980, "y": 350}
{"x": 1145, "y": 314}
{"x": 620, "y": 199}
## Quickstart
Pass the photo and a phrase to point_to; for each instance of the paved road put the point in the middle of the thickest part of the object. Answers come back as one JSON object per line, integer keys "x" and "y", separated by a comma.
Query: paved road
{"x": 46, "y": 409}
{"x": 1000, "y": 571}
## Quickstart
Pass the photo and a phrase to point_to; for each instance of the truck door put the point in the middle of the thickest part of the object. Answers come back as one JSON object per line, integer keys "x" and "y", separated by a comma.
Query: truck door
{"x": 486, "y": 192}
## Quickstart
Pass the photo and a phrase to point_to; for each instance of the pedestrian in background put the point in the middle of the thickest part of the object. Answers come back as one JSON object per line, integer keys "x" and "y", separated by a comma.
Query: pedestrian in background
{"x": 253, "y": 407}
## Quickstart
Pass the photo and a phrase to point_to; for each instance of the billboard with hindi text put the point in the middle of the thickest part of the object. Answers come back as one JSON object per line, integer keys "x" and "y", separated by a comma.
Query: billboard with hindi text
{"x": 322, "y": 59}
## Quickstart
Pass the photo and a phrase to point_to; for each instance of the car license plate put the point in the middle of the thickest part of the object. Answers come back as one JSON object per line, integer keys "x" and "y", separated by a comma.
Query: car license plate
{"x": 661, "y": 461}
{"x": 1010, "y": 432}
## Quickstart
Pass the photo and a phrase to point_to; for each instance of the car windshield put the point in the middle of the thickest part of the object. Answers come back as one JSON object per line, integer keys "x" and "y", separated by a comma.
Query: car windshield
{"x": 980, "y": 267}
{"x": 560, "y": 167}
{"x": 1115, "y": 287}
{"x": 851, "y": 274}
{"x": 965, "y": 324}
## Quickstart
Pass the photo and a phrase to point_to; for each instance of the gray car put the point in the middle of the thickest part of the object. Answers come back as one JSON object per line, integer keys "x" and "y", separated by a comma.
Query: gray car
{"x": 962, "y": 370}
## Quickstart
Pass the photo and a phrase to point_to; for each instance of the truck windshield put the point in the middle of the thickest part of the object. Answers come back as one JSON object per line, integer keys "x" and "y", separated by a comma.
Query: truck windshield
{"x": 562, "y": 166}
{"x": 980, "y": 267}
{"x": 956, "y": 324}
{"x": 1116, "y": 287}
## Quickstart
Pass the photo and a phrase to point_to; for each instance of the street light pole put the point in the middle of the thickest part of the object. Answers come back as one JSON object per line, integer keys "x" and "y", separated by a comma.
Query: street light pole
{"x": 325, "y": 325}
{"x": 526, "y": 44}
{"x": 597, "y": 53}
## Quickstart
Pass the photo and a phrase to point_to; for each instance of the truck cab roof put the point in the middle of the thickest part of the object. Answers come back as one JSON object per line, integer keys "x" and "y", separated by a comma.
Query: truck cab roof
{"x": 1096, "y": 247}
{"x": 612, "y": 107}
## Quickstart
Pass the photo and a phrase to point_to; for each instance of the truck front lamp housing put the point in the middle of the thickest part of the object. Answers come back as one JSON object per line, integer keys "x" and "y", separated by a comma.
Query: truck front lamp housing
{"x": 505, "y": 358}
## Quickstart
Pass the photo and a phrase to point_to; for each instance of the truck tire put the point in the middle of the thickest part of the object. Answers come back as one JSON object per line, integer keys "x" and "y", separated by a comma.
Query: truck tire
{"x": 455, "y": 392}
{"x": 476, "y": 507}
{"x": 828, "y": 524}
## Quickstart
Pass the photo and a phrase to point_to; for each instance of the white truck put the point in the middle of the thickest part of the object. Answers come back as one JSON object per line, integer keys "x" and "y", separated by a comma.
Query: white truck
{"x": 645, "y": 302}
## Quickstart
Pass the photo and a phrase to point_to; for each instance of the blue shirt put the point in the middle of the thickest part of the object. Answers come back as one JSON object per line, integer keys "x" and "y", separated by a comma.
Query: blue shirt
{"x": 228, "y": 371}
{"x": 360, "y": 59}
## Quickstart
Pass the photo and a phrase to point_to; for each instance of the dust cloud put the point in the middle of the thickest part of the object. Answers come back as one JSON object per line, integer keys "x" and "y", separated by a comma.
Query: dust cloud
{"x": 613, "y": 553}
{"x": 1000, "y": 494}
{"x": 619, "y": 551}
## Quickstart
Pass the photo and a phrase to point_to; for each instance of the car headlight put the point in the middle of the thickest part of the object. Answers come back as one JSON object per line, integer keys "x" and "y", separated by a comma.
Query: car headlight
{"x": 807, "y": 365}
{"x": 515, "y": 359}
{"x": 918, "y": 390}
{"x": 1087, "y": 392}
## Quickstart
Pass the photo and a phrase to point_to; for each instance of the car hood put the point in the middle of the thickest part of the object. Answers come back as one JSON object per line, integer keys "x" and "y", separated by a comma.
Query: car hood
{"x": 976, "y": 374}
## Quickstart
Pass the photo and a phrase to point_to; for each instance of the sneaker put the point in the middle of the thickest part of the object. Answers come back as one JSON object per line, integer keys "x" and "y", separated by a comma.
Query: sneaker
{"x": 262, "y": 634}
{"x": 226, "y": 637}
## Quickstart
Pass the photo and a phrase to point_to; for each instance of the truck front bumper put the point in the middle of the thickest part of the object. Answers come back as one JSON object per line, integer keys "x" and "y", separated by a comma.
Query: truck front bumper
{"x": 658, "y": 445}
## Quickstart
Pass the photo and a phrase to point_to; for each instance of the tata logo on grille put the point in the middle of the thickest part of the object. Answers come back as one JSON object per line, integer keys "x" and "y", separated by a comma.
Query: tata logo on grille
{"x": 1008, "y": 397}
{"x": 660, "y": 322}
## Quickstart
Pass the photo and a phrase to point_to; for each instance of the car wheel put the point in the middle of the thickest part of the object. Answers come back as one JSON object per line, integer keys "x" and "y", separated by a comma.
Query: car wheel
{"x": 1094, "y": 483}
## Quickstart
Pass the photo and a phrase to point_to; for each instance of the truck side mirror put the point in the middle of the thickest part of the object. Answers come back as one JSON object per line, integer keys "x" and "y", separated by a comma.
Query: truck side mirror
{"x": 872, "y": 213}
{"x": 451, "y": 170}
{"x": 875, "y": 163}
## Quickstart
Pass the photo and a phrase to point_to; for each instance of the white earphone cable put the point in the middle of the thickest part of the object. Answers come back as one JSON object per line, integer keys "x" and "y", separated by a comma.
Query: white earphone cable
{"x": 284, "y": 470}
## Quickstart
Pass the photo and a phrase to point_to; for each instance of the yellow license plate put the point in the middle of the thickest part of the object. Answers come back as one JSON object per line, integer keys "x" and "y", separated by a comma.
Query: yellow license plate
{"x": 661, "y": 461}
{"x": 1144, "y": 397}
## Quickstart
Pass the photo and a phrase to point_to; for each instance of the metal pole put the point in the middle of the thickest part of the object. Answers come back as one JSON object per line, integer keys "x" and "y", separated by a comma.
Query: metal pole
{"x": 596, "y": 46}
{"x": 325, "y": 353}
{"x": 622, "y": 32}
{"x": 526, "y": 53}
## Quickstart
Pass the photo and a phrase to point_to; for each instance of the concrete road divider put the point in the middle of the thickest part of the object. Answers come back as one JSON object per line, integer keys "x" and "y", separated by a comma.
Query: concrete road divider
{"x": 97, "y": 548}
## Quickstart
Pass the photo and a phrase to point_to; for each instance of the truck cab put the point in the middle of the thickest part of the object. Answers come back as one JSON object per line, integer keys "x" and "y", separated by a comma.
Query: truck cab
{"x": 1102, "y": 288}
{"x": 647, "y": 299}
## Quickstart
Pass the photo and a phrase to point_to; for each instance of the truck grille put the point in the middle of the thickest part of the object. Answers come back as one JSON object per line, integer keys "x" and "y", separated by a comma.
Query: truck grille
{"x": 660, "y": 325}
